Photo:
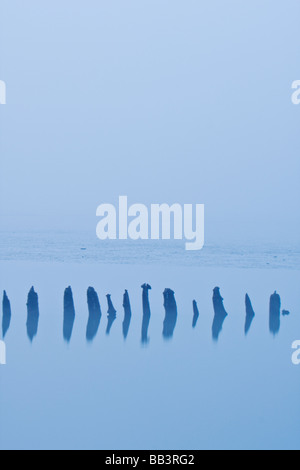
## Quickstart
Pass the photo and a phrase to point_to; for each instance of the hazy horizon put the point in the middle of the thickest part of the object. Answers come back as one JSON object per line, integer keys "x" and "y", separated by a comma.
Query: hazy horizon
{"x": 160, "y": 103}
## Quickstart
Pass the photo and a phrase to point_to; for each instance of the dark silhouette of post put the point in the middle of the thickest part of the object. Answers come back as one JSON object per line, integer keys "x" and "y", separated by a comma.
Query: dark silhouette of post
{"x": 250, "y": 314}
{"x": 146, "y": 313}
{"x": 220, "y": 314}
{"x": 69, "y": 314}
{"x": 195, "y": 314}
{"x": 94, "y": 314}
{"x": 170, "y": 314}
{"x": 6, "y": 311}
{"x": 275, "y": 306}
{"x": 112, "y": 314}
{"x": 33, "y": 314}
{"x": 127, "y": 314}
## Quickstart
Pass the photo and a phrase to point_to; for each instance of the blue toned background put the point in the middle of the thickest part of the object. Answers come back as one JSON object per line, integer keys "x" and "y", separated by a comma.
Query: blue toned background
{"x": 162, "y": 101}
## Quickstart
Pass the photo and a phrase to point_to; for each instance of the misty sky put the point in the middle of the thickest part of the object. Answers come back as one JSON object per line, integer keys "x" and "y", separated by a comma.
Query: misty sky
{"x": 162, "y": 101}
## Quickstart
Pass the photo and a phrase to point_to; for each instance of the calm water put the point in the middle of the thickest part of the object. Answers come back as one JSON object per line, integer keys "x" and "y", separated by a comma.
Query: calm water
{"x": 86, "y": 248}
{"x": 175, "y": 387}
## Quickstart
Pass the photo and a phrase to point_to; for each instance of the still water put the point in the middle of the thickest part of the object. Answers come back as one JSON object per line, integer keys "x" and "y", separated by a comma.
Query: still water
{"x": 129, "y": 367}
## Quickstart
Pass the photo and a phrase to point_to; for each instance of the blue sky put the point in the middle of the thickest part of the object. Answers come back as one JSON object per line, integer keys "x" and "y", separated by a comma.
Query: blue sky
{"x": 161, "y": 101}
